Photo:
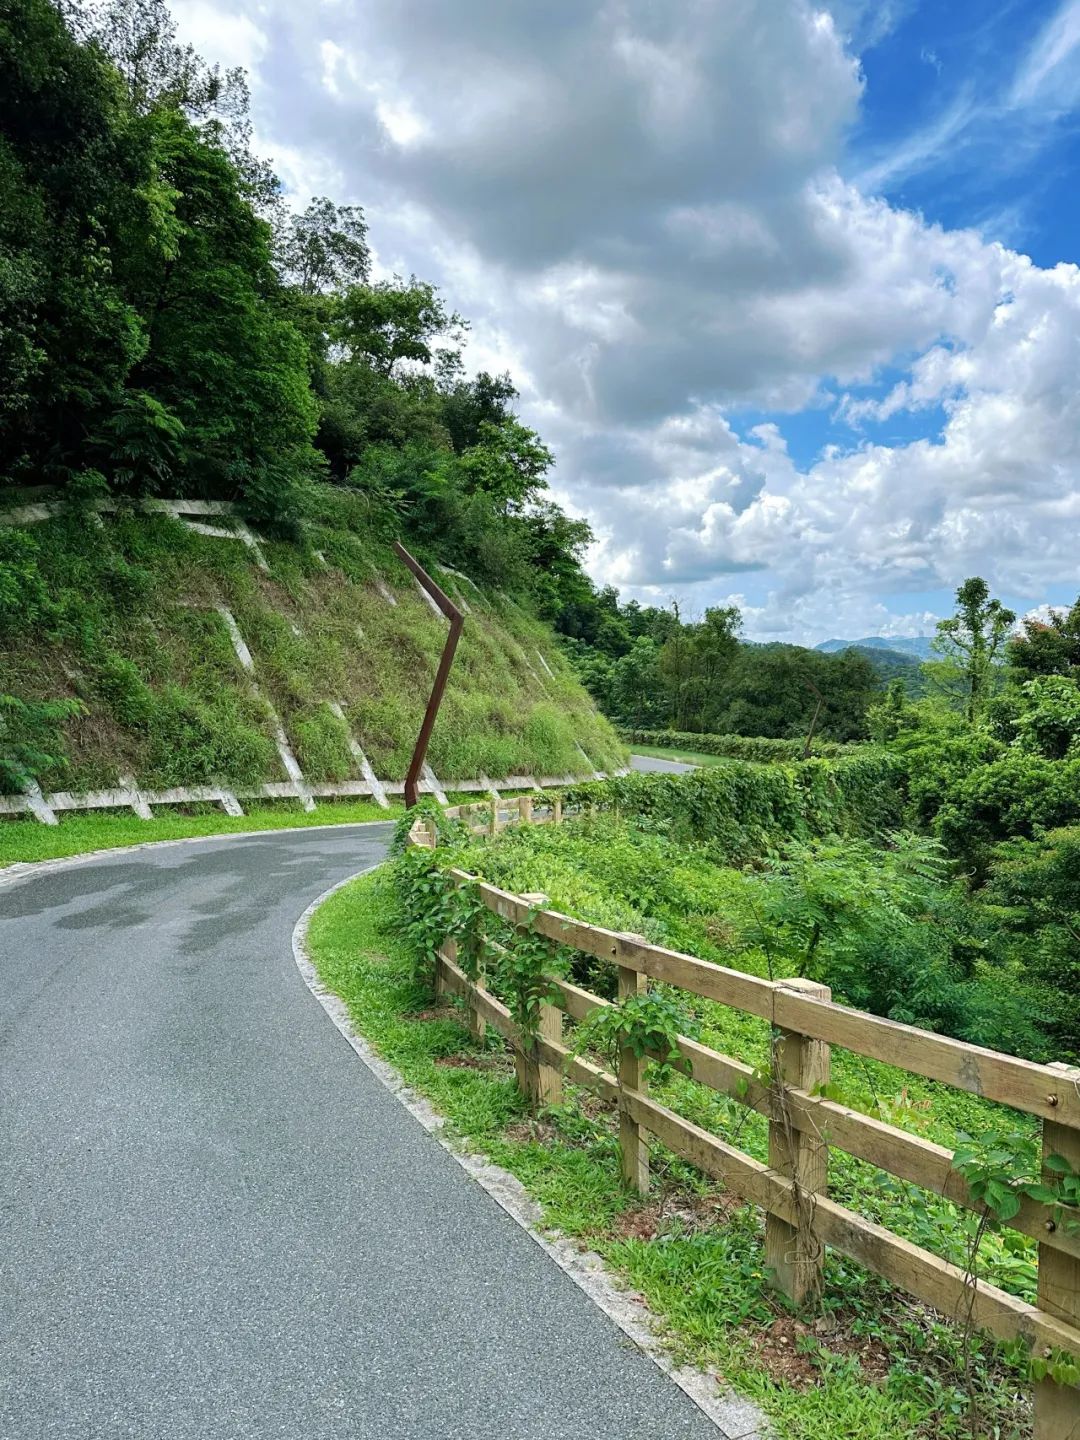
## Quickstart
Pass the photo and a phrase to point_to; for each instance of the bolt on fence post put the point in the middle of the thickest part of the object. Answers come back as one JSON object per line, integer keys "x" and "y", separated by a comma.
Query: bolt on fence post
{"x": 792, "y": 1251}
{"x": 633, "y": 1139}
{"x": 1057, "y": 1407}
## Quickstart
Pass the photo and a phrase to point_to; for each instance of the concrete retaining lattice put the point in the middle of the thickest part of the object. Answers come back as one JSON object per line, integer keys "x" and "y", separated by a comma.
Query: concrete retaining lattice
{"x": 129, "y": 795}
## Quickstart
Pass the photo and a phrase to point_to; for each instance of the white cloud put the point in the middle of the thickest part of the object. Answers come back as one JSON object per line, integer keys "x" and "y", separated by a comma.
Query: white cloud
{"x": 641, "y": 209}
{"x": 1049, "y": 73}
{"x": 220, "y": 36}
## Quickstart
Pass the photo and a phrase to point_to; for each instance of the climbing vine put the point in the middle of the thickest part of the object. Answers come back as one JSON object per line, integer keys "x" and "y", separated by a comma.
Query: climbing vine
{"x": 1001, "y": 1168}
{"x": 647, "y": 1023}
{"x": 526, "y": 971}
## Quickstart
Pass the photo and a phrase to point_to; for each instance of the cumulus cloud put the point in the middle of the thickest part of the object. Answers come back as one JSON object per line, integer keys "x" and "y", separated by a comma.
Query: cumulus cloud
{"x": 645, "y": 213}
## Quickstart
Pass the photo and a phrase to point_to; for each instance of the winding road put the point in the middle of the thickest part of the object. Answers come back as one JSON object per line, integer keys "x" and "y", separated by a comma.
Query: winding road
{"x": 216, "y": 1223}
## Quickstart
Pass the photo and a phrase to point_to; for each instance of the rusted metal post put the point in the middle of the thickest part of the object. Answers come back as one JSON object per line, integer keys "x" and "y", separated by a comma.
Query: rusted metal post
{"x": 457, "y": 620}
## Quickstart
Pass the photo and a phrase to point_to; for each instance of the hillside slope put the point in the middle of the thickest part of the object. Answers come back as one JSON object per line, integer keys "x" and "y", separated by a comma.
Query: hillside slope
{"x": 186, "y": 648}
{"x": 917, "y": 645}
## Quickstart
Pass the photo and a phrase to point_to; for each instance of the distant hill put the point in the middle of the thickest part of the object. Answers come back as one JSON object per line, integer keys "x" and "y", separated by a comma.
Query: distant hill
{"x": 893, "y": 660}
{"x": 915, "y": 645}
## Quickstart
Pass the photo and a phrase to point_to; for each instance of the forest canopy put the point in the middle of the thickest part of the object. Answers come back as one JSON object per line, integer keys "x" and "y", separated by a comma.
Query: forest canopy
{"x": 170, "y": 325}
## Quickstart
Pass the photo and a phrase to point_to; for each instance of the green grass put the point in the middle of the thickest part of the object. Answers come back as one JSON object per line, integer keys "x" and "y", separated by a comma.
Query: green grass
{"x": 79, "y": 833}
{"x": 688, "y": 757}
{"x": 883, "y": 1369}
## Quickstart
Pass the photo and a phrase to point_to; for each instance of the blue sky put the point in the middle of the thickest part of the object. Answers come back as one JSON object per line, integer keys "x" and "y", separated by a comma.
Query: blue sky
{"x": 941, "y": 92}
{"x": 788, "y": 285}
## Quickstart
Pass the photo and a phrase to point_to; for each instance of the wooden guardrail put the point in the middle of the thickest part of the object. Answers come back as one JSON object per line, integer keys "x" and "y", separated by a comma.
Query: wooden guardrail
{"x": 792, "y": 1188}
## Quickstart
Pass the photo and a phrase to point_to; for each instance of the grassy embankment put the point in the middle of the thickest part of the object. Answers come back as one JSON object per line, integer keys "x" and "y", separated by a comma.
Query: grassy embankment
{"x": 130, "y": 628}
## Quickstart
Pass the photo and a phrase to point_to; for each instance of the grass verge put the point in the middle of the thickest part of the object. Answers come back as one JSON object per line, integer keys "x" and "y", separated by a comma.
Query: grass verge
{"x": 872, "y": 1364}
{"x": 25, "y": 839}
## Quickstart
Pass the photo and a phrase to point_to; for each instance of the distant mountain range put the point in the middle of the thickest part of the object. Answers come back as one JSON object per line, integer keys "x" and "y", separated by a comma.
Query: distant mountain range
{"x": 915, "y": 645}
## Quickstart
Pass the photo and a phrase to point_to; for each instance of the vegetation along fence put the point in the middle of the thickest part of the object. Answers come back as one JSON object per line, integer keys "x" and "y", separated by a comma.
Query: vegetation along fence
{"x": 792, "y": 1188}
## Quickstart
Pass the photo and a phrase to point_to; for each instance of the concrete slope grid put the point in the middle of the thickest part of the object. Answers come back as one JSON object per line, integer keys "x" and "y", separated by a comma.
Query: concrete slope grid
{"x": 215, "y": 1224}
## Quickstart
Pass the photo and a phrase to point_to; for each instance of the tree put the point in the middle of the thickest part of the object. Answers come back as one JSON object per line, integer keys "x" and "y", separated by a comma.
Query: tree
{"x": 1048, "y": 647}
{"x": 325, "y": 248}
{"x": 139, "y": 37}
{"x": 637, "y": 687}
{"x": 468, "y": 404}
{"x": 393, "y": 320}
{"x": 219, "y": 355}
{"x": 676, "y": 664}
{"x": 75, "y": 178}
{"x": 507, "y": 465}
{"x": 715, "y": 645}
{"x": 973, "y": 639}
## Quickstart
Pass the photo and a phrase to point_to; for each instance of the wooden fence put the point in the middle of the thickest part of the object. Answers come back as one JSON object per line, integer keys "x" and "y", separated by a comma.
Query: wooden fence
{"x": 792, "y": 1188}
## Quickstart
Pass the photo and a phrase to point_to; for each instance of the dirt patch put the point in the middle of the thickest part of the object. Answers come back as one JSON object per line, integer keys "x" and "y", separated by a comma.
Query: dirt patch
{"x": 788, "y": 1347}
{"x": 687, "y": 1214}
{"x": 462, "y": 1062}
{"x": 531, "y": 1132}
{"x": 437, "y": 1012}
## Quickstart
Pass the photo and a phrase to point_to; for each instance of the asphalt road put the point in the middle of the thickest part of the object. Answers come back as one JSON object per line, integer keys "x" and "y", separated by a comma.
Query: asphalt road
{"x": 215, "y": 1222}
{"x": 654, "y": 763}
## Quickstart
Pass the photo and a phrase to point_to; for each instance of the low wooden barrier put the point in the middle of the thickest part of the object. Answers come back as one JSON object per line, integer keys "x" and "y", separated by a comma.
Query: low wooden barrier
{"x": 792, "y": 1188}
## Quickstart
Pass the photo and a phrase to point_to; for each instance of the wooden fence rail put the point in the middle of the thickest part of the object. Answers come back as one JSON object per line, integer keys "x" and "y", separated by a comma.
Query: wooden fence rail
{"x": 792, "y": 1187}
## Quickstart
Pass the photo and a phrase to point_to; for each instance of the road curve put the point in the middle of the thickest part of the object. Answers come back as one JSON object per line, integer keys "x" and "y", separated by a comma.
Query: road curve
{"x": 653, "y": 763}
{"x": 215, "y": 1222}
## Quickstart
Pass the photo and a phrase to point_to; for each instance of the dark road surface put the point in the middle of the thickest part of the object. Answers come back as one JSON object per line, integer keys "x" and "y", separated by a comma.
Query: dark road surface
{"x": 215, "y": 1222}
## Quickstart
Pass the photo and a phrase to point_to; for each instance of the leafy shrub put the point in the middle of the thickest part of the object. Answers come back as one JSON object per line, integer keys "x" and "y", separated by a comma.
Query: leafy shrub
{"x": 23, "y": 595}
{"x": 1033, "y": 896}
{"x": 886, "y": 930}
{"x": 735, "y": 747}
{"x": 30, "y": 739}
{"x": 1014, "y": 795}
{"x": 747, "y": 808}
{"x": 1049, "y": 722}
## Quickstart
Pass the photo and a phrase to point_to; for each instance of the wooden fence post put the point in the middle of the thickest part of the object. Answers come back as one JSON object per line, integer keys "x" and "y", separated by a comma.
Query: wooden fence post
{"x": 542, "y": 1083}
{"x": 557, "y": 810}
{"x": 633, "y": 1139}
{"x": 450, "y": 946}
{"x": 477, "y": 1023}
{"x": 793, "y": 1253}
{"x": 1057, "y": 1407}
{"x": 525, "y": 808}
{"x": 493, "y": 822}
{"x": 548, "y": 1079}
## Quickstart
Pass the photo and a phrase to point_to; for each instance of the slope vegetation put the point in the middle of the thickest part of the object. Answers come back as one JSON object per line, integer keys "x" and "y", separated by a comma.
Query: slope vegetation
{"x": 194, "y": 658}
